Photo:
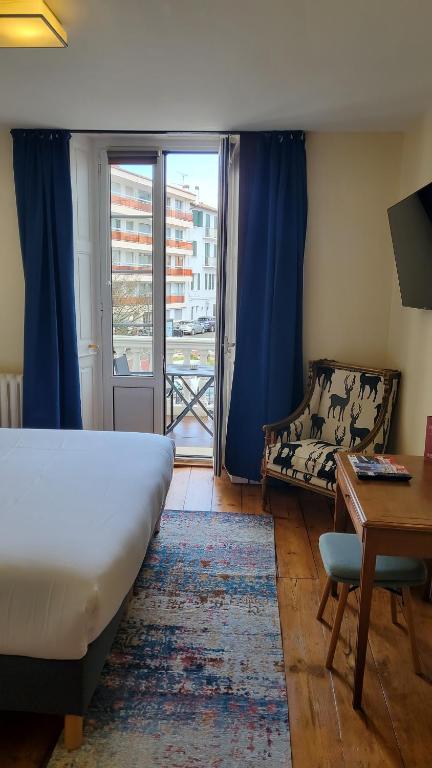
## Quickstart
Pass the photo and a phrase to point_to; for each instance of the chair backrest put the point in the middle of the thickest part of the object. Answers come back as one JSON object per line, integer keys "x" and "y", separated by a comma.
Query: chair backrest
{"x": 121, "y": 366}
{"x": 350, "y": 403}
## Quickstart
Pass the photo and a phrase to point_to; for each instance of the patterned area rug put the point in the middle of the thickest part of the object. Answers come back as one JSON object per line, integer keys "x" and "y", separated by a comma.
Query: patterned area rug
{"x": 195, "y": 678}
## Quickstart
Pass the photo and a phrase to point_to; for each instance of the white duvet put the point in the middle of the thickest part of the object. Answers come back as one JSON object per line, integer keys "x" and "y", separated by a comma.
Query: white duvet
{"x": 77, "y": 510}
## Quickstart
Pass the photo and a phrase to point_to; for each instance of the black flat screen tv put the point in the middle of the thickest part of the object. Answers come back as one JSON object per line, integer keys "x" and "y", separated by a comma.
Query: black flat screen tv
{"x": 411, "y": 231}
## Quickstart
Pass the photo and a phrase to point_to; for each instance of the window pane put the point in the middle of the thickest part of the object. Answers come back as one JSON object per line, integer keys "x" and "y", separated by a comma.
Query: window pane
{"x": 132, "y": 278}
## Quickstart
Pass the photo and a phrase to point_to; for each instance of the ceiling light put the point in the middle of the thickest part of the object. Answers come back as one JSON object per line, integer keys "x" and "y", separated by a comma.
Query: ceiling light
{"x": 29, "y": 24}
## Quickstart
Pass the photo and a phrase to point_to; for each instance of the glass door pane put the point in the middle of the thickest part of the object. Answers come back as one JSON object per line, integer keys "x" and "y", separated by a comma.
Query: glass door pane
{"x": 190, "y": 247}
{"x": 132, "y": 269}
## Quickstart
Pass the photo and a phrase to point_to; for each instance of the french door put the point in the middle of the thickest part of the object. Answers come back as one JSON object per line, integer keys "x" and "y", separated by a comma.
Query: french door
{"x": 143, "y": 276}
{"x": 133, "y": 289}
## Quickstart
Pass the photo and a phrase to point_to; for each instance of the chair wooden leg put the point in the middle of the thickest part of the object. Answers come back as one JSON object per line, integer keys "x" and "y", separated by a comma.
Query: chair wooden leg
{"x": 324, "y": 598}
{"x": 406, "y": 593}
{"x": 73, "y": 731}
{"x": 393, "y": 607}
{"x": 337, "y": 624}
{"x": 265, "y": 493}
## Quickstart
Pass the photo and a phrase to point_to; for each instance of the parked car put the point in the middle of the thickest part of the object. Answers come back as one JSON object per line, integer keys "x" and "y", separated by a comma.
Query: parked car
{"x": 191, "y": 327}
{"x": 208, "y": 323}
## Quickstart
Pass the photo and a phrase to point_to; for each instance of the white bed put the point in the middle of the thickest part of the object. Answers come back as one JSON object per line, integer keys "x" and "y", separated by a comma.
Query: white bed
{"x": 77, "y": 510}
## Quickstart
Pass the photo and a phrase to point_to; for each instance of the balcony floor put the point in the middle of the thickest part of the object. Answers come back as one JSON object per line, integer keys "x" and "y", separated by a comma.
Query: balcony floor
{"x": 191, "y": 439}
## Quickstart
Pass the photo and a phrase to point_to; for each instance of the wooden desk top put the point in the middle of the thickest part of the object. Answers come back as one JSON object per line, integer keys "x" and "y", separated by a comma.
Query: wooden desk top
{"x": 391, "y": 504}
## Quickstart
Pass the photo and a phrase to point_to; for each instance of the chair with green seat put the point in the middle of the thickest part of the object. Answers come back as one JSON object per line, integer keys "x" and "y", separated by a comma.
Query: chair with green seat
{"x": 342, "y": 558}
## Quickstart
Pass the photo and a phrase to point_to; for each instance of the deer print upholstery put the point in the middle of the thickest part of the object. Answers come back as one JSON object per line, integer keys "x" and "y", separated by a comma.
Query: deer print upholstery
{"x": 346, "y": 408}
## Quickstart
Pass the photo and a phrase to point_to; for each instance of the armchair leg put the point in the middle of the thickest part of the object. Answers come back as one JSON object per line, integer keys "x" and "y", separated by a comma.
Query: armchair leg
{"x": 265, "y": 494}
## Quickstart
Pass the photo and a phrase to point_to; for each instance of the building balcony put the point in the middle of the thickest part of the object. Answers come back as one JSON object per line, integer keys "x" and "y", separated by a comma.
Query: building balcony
{"x": 210, "y": 262}
{"x": 131, "y": 237}
{"x": 210, "y": 233}
{"x": 127, "y": 269}
{"x": 185, "y": 245}
{"x": 172, "y": 213}
{"x": 121, "y": 235}
{"x": 133, "y": 301}
{"x": 178, "y": 272}
{"x": 132, "y": 202}
{"x": 145, "y": 301}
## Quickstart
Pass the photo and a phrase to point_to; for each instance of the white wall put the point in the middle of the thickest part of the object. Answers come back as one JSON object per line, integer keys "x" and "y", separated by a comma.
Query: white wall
{"x": 12, "y": 280}
{"x": 352, "y": 178}
{"x": 410, "y": 330}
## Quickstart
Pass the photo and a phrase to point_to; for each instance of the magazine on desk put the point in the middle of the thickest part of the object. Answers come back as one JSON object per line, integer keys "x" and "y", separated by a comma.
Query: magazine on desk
{"x": 378, "y": 468}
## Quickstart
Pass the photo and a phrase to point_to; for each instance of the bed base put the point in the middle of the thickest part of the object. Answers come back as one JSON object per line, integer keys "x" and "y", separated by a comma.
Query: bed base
{"x": 57, "y": 686}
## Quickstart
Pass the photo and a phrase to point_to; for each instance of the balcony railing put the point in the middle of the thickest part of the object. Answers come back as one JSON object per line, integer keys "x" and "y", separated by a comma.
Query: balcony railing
{"x": 143, "y": 269}
{"x": 133, "y": 301}
{"x": 172, "y": 213}
{"x": 139, "y": 237}
{"x": 131, "y": 237}
{"x": 210, "y": 233}
{"x": 146, "y": 205}
{"x": 178, "y": 272}
{"x": 132, "y": 202}
{"x": 147, "y": 269}
{"x": 186, "y": 245}
{"x": 209, "y": 261}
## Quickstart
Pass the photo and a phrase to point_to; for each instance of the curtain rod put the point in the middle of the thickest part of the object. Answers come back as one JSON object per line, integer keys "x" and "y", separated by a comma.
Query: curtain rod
{"x": 144, "y": 133}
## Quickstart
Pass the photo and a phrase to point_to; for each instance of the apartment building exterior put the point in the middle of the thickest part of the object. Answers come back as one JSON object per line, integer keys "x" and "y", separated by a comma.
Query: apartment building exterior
{"x": 191, "y": 229}
{"x": 202, "y": 290}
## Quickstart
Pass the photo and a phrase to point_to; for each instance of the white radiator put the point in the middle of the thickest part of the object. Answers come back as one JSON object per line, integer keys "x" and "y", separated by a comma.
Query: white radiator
{"x": 10, "y": 400}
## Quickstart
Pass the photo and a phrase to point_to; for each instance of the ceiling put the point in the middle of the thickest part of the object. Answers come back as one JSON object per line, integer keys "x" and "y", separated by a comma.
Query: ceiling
{"x": 239, "y": 64}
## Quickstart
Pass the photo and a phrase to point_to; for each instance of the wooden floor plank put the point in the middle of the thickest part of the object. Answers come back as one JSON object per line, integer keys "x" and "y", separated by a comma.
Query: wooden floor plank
{"x": 200, "y": 490}
{"x": 178, "y": 488}
{"x": 409, "y": 696}
{"x": 368, "y": 736}
{"x": 315, "y": 736}
{"x": 227, "y": 496}
{"x": 252, "y": 499}
{"x": 293, "y": 550}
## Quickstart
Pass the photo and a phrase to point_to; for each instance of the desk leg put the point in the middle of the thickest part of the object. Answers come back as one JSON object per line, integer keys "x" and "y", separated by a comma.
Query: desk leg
{"x": 366, "y": 588}
{"x": 339, "y": 522}
{"x": 427, "y": 590}
{"x": 340, "y": 511}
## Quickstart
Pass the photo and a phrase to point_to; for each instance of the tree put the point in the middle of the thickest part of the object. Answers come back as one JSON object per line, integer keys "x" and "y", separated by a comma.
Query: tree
{"x": 129, "y": 302}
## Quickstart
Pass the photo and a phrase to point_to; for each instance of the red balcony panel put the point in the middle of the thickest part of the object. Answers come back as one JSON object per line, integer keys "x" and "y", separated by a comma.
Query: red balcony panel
{"x": 131, "y": 202}
{"x": 178, "y": 272}
{"x": 185, "y": 244}
{"x": 173, "y": 213}
{"x": 131, "y": 237}
{"x": 175, "y": 299}
{"x": 146, "y": 269}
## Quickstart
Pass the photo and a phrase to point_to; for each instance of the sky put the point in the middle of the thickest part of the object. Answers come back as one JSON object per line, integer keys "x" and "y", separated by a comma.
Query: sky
{"x": 197, "y": 169}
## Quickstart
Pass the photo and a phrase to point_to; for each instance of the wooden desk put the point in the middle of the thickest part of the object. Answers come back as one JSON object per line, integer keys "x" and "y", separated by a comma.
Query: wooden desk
{"x": 391, "y": 518}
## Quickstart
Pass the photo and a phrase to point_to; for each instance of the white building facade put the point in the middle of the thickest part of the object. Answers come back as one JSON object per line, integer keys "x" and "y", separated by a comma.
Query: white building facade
{"x": 201, "y": 300}
{"x": 191, "y": 229}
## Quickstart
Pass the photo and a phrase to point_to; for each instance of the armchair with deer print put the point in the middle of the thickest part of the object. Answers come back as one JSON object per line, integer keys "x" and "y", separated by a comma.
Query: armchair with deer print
{"x": 346, "y": 407}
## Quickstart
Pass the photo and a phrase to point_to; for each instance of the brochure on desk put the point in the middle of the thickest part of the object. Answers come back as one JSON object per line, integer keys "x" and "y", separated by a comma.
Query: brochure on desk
{"x": 378, "y": 468}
